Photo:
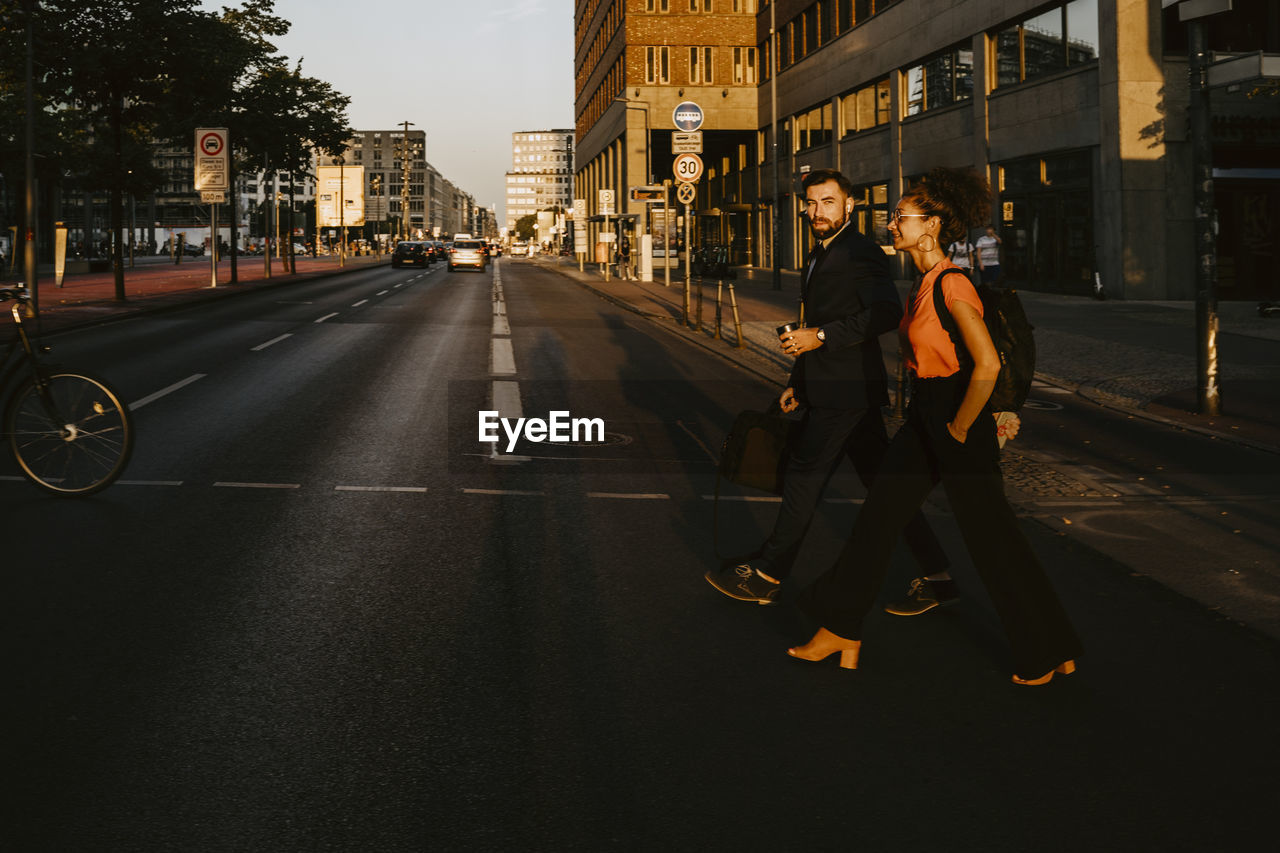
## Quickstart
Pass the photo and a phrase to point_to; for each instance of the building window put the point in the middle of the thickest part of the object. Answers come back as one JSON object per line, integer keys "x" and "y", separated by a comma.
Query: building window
{"x": 748, "y": 6}
{"x": 1063, "y": 36}
{"x": 657, "y": 65}
{"x": 699, "y": 5}
{"x": 865, "y": 108}
{"x": 813, "y": 127}
{"x": 657, "y": 5}
{"x": 700, "y": 65}
{"x": 744, "y": 65}
{"x": 941, "y": 80}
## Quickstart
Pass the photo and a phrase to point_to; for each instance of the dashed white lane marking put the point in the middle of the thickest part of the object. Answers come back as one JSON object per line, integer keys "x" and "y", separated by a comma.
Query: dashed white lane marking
{"x": 500, "y": 325}
{"x": 502, "y": 492}
{"x": 327, "y": 317}
{"x": 358, "y": 304}
{"x": 382, "y": 293}
{"x": 148, "y": 482}
{"x": 151, "y": 398}
{"x": 231, "y": 485}
{"x": 762, "y": 499}
{"x": 503, "y": 357}
{"x": 506, "y": 399}
{"x": 273, "y": 341}
{"x": 414, "y": 489}
{"x": 639, "y": 496}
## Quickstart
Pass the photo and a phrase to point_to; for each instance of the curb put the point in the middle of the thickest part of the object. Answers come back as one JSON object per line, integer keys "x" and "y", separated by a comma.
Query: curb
{"x": 180, "y": 299}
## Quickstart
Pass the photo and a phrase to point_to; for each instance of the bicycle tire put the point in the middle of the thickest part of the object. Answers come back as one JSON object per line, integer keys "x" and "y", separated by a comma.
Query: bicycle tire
{"x": 84, "y": 448}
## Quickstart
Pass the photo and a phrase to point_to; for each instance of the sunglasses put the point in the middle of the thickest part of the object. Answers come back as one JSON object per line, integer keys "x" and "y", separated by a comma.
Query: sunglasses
{"x": 897, "y": 215}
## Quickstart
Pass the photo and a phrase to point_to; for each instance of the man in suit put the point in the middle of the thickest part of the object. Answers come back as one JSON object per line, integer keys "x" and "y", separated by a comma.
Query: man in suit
{"x": 848, "y": 300}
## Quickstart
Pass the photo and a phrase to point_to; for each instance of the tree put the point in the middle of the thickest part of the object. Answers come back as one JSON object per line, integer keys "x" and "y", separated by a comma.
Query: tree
{"x": 525, "y": 226}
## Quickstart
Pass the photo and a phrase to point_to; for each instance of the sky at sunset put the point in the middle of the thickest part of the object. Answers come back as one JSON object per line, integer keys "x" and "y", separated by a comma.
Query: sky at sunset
{"x": 468, "y": 73}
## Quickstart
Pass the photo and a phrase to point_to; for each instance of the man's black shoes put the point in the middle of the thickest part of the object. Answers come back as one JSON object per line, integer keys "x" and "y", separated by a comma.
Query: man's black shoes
{"x": 744, "y": 583}
{"x": 923, "y": 596}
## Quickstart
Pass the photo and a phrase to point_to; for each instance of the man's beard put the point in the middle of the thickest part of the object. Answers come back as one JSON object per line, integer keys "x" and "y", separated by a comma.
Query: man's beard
{"x": 831, "y": 227}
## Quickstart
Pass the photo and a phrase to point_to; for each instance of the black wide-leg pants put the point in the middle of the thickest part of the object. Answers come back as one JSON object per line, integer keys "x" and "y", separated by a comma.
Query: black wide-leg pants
{"x": 825, "y": 435}
{"x": 921, "y": 455}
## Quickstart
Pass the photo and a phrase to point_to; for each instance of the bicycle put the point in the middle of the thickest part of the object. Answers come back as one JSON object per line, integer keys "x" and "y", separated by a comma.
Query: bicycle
{"x": 68, "y": 431}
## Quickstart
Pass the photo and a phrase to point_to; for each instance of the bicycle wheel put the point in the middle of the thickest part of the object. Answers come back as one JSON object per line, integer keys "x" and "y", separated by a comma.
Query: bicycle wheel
{"x": 75, "y": 439}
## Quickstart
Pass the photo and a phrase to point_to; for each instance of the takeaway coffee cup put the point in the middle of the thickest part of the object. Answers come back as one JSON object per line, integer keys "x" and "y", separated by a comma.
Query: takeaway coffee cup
{"x": 787, "y": 327}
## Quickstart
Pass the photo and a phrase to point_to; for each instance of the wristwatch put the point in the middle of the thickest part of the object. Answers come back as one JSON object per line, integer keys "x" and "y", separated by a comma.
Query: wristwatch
{"x": 822, "y": 336}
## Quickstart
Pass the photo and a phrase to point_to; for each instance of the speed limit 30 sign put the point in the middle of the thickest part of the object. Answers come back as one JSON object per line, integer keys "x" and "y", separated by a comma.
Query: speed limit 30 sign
{"x": 688, "y": 168}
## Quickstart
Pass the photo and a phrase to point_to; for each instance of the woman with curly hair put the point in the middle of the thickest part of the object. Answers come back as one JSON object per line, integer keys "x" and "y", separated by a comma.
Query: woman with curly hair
{"x": 950, "y": 437}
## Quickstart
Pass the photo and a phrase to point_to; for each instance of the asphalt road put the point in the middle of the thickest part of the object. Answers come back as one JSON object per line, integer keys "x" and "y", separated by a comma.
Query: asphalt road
{"x": 318, "y": 614}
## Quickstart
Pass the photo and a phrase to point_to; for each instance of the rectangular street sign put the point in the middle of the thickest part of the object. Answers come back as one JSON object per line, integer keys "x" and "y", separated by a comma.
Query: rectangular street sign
{"x": 606, "y": 202}
{"x": 649, "y": 194}
{"x": 213, "y": 196}
{"x": 686, "y": 143}
{"x": 212, "y": 159}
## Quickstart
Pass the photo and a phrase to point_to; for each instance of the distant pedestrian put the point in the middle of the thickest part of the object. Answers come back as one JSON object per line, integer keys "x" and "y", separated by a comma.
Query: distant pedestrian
{"x": 962, "y": 253}
{"x": 624, "y": 257}
{"x": 989, "y": 256}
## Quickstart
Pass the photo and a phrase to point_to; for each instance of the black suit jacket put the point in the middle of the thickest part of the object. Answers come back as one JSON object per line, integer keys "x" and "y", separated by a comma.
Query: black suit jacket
{"x": 851, "y": 295}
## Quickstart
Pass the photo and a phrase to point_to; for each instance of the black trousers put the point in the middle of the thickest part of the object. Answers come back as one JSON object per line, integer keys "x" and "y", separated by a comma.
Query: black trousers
{"x": 825, "y": 435}
{"x": 921, "y": 455}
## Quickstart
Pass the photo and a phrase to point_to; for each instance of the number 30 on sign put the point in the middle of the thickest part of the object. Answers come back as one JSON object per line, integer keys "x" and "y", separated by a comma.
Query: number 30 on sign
{"x": 688, "y": 168}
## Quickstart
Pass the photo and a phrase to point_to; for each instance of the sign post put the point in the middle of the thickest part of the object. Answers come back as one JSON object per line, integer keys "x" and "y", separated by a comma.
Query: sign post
{"x": 212, "y": 181}
{"x": 580, "y": 231}
{"x": 606, "y": 208}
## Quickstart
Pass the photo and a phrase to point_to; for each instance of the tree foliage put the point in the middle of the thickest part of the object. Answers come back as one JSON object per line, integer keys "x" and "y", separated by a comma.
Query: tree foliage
{"x": 116, "y": 78}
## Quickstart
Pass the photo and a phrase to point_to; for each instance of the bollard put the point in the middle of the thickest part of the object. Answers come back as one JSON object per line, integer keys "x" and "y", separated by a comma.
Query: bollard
{"x": 719, "y": 304}
{"x": 699, "y": 325}
{"x": 737, "y": 323}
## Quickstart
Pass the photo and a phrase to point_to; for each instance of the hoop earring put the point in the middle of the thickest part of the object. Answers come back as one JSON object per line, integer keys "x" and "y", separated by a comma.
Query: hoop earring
{"x": 920, "y": 244}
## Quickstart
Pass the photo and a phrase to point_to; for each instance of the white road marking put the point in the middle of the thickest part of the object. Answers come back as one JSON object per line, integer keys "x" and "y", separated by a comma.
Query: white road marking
{"x": 502, "y": 492}
{"x": 327, "y": 317}
{"x": 415, "y": 489}
{"x": 761, "y": 499}
{"x": 148, "y": 482}
{"x": 506, "y": 399}
{"x": 382, "y": 293}
{"x": 261, "y": 347}
{"x": 230, "y": 485}
{"x": 151, "y": 398}
{"x": 503, "y": 358}
{"x": 500, "y": 325}
{"x": 358, "y": 304}
{"x": 658, "y": 496}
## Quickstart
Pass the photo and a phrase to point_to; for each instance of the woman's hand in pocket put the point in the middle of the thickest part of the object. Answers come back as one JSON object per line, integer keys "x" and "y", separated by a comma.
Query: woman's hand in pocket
{"x": 957, "y": 433}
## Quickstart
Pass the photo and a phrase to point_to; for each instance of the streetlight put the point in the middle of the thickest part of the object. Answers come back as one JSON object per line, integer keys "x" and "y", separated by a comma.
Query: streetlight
{"x": 342, "y": 214}
{"x": 405, "y": 150}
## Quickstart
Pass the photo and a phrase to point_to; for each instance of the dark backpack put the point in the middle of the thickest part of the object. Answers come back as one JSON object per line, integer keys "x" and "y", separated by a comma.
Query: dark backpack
{"x": 1011, "y": 333}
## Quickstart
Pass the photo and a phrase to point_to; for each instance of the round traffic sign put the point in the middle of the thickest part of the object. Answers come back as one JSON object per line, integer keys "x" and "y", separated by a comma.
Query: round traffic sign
{"x": 687, "y": 168}
{"x": 687, "y": 116}
{"x": 686, "y": 193}
{"x": 211, "y": 144}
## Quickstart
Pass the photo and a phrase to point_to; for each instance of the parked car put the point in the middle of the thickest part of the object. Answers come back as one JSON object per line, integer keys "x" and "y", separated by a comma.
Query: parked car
{"x": 193, "y": 250}
{"x": 409, "y": 252}
{"x": 468, "y": 253}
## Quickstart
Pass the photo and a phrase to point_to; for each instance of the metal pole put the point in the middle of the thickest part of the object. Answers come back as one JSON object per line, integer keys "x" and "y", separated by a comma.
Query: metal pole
{"x": 1207, "y": 394}
{"x": 29, "y": 225}
{"x": 688, "y": 254}
{"x": 213, "y": 244}
{"x": 776, "y": 213}
{"x": 666, "y": 233}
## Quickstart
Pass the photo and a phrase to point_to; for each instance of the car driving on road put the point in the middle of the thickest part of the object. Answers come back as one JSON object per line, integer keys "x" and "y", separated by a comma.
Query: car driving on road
{"x": 410, "y": 252}
{"x": 468, "y": 253}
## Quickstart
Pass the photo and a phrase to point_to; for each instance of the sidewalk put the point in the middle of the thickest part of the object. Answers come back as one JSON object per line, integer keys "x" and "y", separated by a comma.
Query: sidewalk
{"x": 157, "y": 283}
{"x": 1137, "y": 357}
